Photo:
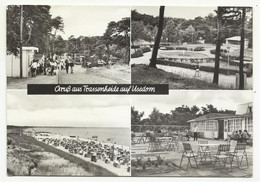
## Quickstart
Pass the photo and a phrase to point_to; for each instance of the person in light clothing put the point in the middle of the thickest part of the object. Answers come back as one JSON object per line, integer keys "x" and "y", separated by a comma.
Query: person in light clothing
{"x": 195, "y": 131}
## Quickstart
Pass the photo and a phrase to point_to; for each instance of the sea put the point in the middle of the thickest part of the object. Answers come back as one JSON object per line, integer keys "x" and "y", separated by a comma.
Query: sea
{"x": 120, "y": 136}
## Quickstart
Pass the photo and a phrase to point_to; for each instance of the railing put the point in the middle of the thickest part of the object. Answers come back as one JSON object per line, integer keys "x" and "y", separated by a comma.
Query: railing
{"x": 142, "y": 128}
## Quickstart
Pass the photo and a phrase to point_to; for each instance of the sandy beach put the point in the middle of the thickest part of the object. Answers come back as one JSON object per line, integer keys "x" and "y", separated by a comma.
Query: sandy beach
{"x": 120, "y": 170}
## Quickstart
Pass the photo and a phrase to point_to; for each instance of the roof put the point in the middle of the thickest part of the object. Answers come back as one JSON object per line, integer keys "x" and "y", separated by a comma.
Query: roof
{"x": 243, "y": 108}
{"x": 31, "y": 48}
{"x": 38, "y": 56}
{"x": 237, "y": 38}
{"x": 216, "y": 116}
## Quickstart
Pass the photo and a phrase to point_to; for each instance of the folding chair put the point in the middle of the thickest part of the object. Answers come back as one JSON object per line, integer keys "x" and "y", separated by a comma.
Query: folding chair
{"x": 239, "y": 152}
{"x": 153, "y": 145}
{"x": 233, "y": 144}
{"x": 189, "y": 154}
{"x": 222, "y": 154}
{"x": 141, "y": 139}
{"x": 204, "y": 151}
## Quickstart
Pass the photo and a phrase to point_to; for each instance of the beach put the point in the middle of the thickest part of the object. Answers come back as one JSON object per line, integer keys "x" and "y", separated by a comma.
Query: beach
{"x": 116, "y": 162}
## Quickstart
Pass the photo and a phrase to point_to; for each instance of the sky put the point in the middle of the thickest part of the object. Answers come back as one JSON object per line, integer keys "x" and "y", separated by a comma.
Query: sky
{"x": 177, "y": 11}
{"x": 87, "y": 20}
{"x": 65, "y": 110}
{"x": 166, "y": 103}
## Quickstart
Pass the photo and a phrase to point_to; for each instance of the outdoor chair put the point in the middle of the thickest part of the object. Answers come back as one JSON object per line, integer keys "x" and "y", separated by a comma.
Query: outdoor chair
{"x": 239, "y": 152}
{"x": 171, "y": 144}
{"x": 222, "y": 155}
{"x": 141, "y": 139}
{"x": 204, "y": 151}
{"x": 189, "y": 154}
{"x": 154, "y": 145}
{"x": 233, "y": 144}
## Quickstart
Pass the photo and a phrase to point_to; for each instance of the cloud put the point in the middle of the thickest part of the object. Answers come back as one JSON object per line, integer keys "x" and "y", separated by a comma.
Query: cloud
{"x": 88, "y": 20}
{"x": 20, "y": 100}
{"x": 93, "y": 117}
{"x": 220, "y": 99}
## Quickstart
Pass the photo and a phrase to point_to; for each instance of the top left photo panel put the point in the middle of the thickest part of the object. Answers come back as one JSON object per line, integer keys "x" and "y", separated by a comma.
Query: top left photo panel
{"x": 67, "y": 45}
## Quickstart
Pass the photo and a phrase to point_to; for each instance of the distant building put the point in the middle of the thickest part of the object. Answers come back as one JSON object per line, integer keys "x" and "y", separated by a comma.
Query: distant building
{"x": 235, "y": 41}
{"x": 216, "y": 125}
{"x": 13, "y": 62}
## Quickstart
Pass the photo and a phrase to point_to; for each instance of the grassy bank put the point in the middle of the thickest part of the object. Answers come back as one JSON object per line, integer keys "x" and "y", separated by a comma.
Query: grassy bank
{"x": 27, "y": 156}
{"x": 142, "y": 74}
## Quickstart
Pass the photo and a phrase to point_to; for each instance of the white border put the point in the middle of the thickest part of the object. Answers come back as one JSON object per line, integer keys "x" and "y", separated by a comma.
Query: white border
{"x": 253, "y": 3}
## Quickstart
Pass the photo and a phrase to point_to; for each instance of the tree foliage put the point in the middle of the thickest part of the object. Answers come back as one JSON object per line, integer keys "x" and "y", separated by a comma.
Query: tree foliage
{"x": 37, "y": 27}
{"x": 178, "y": 30}
{"x": 179, "y": 116}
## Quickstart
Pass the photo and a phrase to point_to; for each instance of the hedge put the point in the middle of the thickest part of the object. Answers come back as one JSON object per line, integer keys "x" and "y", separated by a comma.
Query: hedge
{"x": 137, "y": 53}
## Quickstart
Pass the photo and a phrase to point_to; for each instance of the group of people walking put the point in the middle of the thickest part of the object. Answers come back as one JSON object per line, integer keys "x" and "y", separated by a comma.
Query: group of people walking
{"x": 51, "y": 65}
{"x": 68, "y": 63}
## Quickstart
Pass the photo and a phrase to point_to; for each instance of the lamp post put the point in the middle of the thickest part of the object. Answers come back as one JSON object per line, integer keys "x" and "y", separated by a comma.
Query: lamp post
{"x": 21, "y": 41}
{"x": 228, "y": 48}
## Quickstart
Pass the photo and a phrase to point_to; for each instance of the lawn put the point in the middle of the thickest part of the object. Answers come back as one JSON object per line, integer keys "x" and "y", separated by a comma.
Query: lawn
{"x": 143, "y": 74}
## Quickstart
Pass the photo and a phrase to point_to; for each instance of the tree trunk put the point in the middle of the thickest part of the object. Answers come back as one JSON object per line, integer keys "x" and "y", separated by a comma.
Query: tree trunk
{"x": 21, "y": 42}
{"x": 242, "y": 46}
{"x": 218, "y": 45}
{"x": 158, "y": 38}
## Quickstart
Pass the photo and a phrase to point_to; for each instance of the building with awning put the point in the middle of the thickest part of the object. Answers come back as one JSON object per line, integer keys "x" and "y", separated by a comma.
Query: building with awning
{"x": 218, "y": 125}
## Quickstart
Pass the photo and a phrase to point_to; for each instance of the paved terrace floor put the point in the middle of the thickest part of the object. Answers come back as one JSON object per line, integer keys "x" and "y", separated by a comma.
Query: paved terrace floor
{"x": 172, "y": 158}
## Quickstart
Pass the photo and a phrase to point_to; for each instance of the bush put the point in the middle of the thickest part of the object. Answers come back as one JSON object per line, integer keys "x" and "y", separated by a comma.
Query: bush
{"x": 181, "y": 48}
{"x": 135, "y": 46}
{"x": 9, "y": 141}
{"x": 145, "y": 49}
{"x": 199, "y": 49}
{"x": 213, "y": 51}
{"x": 136, "y": 54}
{"x": 169, "y": 48}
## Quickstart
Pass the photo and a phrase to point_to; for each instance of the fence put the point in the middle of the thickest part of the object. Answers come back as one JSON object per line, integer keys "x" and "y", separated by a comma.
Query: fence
{"x": 142, "y": 128}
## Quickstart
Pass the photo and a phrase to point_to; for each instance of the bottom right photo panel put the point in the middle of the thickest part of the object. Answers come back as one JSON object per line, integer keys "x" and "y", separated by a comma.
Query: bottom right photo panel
{"x": 192, "y": 134}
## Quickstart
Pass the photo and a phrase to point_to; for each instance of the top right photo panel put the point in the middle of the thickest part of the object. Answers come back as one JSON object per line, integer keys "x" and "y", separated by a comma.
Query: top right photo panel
{"x": 204, "y": 48}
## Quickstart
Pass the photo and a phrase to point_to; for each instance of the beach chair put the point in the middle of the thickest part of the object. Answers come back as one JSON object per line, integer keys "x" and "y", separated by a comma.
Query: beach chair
{"x": 204, "y": 151}
{"x": 189, "y": 154}
{"x": 222, "y": 155}
{"x": 239, "y": 152}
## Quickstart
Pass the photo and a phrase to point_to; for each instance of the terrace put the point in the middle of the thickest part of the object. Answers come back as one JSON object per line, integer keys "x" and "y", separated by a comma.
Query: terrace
{"x": 163, "y": 158}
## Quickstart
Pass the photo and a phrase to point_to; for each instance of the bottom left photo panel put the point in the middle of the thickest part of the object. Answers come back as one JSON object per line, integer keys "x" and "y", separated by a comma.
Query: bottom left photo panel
{"x": 63, "y": 135}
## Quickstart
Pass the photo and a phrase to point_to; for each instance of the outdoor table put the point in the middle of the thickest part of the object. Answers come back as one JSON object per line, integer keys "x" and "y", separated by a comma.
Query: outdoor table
{"x": 166, "y": 140}
{"x": 205, "y": 150}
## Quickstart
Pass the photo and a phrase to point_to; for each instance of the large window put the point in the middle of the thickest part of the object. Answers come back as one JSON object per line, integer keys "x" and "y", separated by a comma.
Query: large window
{"x": 230, "y": 125}
{"x": 200, "y": 125}
{"x": 250, "y": 125}
{"x": 238, "y": 124}
{"x": 211, "y": 126}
